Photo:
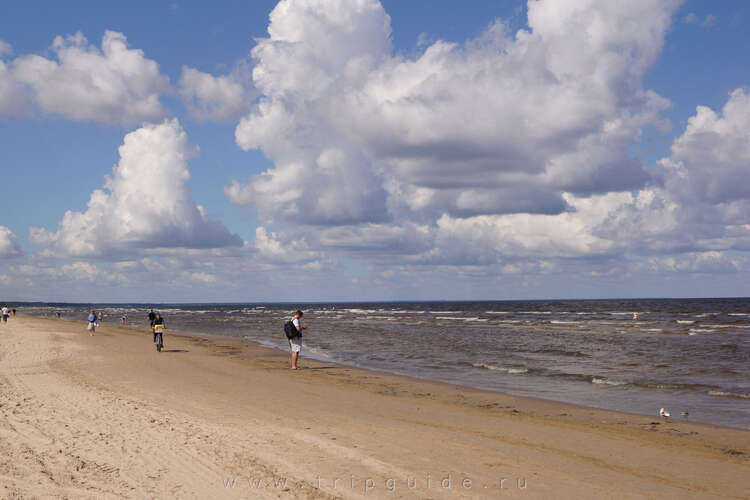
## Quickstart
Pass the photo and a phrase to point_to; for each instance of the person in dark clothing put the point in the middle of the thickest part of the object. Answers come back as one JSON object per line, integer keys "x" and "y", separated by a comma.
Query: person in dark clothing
{"x": 158, "y": 320}
{"x": 151, "y": 317}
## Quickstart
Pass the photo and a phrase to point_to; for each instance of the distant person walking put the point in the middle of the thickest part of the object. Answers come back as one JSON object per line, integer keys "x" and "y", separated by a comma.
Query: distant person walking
{"x": 92, "y": 323}
{"x": 99, "y": 318}
{"x": 14, "y": 311}
{"x": 295, "y": 342}
{"x": 5, "y": 314}
{"x": 124, "y": 318}
{"x": 151, "y": 317}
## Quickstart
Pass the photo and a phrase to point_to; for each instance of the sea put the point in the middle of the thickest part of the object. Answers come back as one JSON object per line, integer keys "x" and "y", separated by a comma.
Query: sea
{"x": 636, "y": 356}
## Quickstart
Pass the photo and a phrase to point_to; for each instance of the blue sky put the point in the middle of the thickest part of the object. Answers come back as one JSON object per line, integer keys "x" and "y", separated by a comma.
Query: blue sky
{"x": 373, "y": 150}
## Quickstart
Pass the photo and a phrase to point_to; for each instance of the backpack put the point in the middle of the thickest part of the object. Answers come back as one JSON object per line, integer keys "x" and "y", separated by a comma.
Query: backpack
{"x": 290, "y": 330}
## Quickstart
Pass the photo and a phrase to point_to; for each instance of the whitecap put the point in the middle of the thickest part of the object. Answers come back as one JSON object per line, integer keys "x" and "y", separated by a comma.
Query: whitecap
{"x": 360, "y": 311}
{"x": 727, "y": 394}
{"x": 518, "y": 370}
{"x": 511, "y": 370}
{"x": 698, "y": 331}
{"x": 605, "y": 381}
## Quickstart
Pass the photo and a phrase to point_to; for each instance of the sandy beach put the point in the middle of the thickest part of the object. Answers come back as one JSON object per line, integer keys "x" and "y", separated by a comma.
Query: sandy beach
{"x": 107, "y": 416}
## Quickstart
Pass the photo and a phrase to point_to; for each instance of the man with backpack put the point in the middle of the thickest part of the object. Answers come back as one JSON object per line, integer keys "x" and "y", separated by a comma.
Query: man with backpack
{"x": 293, "y": 330}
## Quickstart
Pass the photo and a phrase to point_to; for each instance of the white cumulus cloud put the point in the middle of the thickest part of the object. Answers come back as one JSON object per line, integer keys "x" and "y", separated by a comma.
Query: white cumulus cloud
{"x": 9, "y": 246}
{"x": 212, "y": 98}
{"x": 276, "y": 249}
{"x": 504, "y": 123}
{"x": 5, "y": 48}
{"x": 109, "y": 84}
{"x": 145, "y": 203}
{"x": 704, "y": 204}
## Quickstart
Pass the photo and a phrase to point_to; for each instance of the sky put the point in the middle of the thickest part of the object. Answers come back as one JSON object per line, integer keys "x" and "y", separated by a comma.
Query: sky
{"x": 365, "y": 150}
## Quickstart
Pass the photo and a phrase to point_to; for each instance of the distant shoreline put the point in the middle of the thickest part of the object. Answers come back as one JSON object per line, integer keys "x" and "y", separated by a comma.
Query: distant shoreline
{"x": 342, "y": 302}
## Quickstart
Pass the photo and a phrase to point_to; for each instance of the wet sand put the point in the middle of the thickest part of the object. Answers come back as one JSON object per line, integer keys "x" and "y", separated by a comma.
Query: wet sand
{"x": 108, "y": 416}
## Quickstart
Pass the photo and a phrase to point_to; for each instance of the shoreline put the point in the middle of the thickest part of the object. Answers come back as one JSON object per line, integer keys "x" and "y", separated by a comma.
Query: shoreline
{"x": 416, "y": 378}
{"x": 237, "y": 410}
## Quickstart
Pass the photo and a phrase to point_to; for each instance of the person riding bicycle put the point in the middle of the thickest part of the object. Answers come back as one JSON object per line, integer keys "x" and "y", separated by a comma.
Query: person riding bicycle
{"x": 158, "y": 320}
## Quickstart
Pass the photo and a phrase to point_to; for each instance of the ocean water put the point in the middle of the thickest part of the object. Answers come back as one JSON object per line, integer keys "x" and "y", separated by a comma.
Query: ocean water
{"x": 684, "y": 355}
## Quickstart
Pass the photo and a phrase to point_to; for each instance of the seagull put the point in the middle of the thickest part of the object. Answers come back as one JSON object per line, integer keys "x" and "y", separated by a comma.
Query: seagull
{"x": 664, "y": 413}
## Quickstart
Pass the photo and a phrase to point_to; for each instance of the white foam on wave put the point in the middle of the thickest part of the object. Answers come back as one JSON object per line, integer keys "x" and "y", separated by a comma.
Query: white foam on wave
{"x": 518, "y": 370}
{"x": 561, "y": 322}
{"x": 496, "y": 312}
{"x": 361, "y": 311}
{"x": 686, "y": 321}
{"x": 449, "y": 318}
{"x": 476, "y": 319}
{"x": 738, "y": 314}
{"x": 656, "y": 330}
{"x": 606, "y": 381}
{"x": 506, "y": 369}
{"x": 727, "y": 394}
{"x": 699, "y": 331}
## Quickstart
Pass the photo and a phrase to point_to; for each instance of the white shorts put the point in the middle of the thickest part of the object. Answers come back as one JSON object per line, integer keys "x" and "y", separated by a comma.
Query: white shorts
{"x": 91, "y": 327}
{"x": 295, "y": 344}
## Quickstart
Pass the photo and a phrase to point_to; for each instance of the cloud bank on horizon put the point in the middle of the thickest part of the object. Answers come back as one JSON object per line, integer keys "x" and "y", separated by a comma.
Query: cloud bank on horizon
{"x": 508, "y": 154}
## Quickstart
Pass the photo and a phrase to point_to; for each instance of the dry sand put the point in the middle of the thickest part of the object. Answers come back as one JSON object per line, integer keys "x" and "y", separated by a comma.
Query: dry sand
{"x": 108, "y": 416}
